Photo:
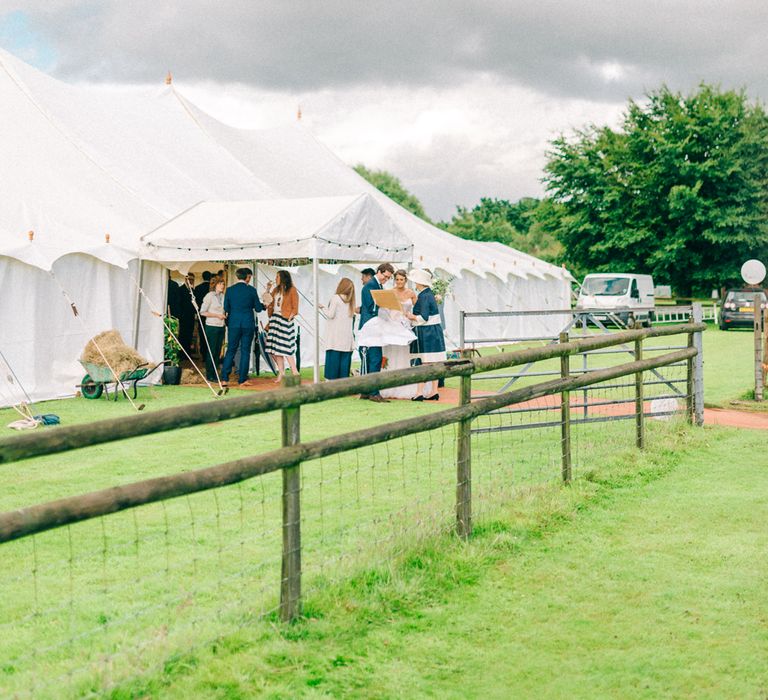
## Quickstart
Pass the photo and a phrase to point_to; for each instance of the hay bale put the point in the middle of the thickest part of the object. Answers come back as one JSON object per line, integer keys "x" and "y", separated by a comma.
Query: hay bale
{"x": 121, "y": 357}
{"x": 189, "y": 376}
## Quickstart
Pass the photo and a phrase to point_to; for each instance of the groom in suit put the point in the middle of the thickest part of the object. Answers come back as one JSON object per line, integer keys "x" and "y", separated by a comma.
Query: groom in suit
{"x": 240, "y": 302}
{"x": 371, "y": 356}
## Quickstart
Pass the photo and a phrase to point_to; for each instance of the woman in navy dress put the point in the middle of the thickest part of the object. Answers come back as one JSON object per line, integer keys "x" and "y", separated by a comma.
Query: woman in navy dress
{"x": 429, "y": 345}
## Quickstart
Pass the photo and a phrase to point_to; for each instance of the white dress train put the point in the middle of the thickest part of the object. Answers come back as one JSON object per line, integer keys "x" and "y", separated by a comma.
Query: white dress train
{"x": 399, "y": 355}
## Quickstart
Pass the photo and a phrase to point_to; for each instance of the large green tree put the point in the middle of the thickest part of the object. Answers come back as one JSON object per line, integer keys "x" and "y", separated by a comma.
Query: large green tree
{"x": 520, "y": 225}
{"x": 680, "y": 190}
{"x": 391, "y": 186}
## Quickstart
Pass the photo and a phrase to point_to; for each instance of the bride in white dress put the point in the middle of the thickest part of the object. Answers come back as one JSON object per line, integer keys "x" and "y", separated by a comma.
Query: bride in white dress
{"x": 399, "y": 355}
{"x": 391, "y": 331}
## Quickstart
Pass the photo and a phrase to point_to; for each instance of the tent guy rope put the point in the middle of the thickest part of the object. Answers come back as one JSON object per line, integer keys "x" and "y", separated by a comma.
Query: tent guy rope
{"x": 168, "y": 330}
{"x": 205, "y": 337}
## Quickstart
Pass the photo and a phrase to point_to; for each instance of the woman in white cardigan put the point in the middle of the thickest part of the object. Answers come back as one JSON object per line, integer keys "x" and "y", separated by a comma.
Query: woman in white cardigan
{"x": 339, "y": 342}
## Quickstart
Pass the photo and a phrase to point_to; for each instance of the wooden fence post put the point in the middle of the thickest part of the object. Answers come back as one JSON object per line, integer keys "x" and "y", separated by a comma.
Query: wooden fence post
{"x": 290, "y": 582}
{"x": 758, "y": 343}
{"x": 565, "y": 415}
{"x": 698, "y": 368}
{"x": 639, "y": 407}
{"x": 464, "y": 461}
{"x": 765, "y": 340}
{"x": 694, "y": 409}
{"x": 689, "y": 384}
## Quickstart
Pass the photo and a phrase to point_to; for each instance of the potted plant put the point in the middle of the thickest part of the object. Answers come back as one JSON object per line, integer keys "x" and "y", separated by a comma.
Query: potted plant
{"x": 171, "y": 348}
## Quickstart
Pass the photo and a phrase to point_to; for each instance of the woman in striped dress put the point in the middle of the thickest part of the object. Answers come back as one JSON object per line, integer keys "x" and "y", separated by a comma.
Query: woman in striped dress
{"x": 282, "y": 307}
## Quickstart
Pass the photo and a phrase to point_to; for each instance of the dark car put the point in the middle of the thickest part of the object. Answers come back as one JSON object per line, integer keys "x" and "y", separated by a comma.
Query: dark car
{"x": 738, "y": 309}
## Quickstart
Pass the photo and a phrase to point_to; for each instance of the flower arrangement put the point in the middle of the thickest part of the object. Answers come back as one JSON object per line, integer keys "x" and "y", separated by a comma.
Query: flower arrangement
{"x": 441, "y": 287}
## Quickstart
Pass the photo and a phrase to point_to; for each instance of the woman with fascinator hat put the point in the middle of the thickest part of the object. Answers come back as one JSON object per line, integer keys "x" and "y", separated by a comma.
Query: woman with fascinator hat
{"x": 429, "y": 345}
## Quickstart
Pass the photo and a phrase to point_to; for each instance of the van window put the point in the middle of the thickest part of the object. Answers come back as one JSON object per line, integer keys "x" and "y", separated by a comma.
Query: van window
{"x": 605, "y": 286}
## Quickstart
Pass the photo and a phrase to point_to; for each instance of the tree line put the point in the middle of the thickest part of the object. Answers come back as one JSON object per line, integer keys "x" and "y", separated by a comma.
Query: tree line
{"x": 679, "y": 190}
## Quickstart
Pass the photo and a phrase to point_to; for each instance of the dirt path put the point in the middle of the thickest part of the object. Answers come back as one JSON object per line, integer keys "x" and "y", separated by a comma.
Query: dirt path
{"x": 736, "y": 419}
{"x": 712, "y": 416}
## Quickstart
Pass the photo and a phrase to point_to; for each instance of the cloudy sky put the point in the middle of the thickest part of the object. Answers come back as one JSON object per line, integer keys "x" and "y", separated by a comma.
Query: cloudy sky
{"x": 459, "y": 99}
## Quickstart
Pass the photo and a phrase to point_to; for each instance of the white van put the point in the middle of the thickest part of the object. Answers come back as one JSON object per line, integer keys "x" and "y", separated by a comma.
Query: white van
{"x": 620, "y": 294}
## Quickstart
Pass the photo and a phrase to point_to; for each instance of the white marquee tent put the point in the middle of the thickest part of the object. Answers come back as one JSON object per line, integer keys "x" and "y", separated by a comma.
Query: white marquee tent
{"x": 80, "y": 163}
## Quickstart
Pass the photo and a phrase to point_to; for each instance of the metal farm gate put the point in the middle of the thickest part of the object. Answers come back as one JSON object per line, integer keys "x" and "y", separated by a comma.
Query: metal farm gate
{"x": 666, "y": 390}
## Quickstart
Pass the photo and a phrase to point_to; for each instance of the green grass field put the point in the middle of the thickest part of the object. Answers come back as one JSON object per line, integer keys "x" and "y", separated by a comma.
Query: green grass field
{"x": 643, "y": 580}
{"x": 172, "y": 595}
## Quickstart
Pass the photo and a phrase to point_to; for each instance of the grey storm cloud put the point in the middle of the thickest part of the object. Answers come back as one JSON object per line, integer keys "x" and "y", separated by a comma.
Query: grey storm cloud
{"x": 597, "y": 49}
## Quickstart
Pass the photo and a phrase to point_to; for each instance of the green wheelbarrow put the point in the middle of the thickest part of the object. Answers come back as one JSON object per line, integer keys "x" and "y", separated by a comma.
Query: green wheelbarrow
{"x": 99, "y": 379}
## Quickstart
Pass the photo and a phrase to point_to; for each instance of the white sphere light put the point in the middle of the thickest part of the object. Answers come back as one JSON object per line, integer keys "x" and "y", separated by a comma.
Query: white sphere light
{"x": 753, "y": 272}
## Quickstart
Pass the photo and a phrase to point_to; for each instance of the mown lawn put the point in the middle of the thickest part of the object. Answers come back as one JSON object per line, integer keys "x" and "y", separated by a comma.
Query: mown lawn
{"x": 172, "y": 594}
{"x": 90, "y": 604}
{"x": 643, "y": 580}
{"x": 728, "y": 365}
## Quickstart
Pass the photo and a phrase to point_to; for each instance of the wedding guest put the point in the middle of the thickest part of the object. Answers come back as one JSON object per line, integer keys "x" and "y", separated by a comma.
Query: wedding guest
{"x": 281, "y": 332}
{"x": 173, "y": 300}
{"x": 429, "y": 345}
{"x": 241, "y": 303}
{"x": 200, "y": 291}
{"x": 204, "y": 288}
{"x": 212, "y": 310}
{"x": 187, "y": 314}
{"x": 339, "y": 342}
{"x": 371, "y": 354}
{"x": 365, "y": 277}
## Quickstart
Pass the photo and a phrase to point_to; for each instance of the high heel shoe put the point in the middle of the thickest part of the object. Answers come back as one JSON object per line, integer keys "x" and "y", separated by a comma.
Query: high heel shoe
{"x": 434, "y": 397}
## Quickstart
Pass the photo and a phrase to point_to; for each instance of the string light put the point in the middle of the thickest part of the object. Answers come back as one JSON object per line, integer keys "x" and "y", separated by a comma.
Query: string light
{"x": 249, "y": 246}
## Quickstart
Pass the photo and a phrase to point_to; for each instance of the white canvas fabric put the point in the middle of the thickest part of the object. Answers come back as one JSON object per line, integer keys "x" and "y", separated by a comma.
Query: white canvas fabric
{"x": 351, "y": 227}
{"x": 78, "y": 163}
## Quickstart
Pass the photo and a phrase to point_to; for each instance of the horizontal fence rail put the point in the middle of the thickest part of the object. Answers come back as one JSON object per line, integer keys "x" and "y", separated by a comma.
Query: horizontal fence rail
{"x": 74, "y": 437}
{"x": 27, "y": 521}
{"x": 661, "y": 314}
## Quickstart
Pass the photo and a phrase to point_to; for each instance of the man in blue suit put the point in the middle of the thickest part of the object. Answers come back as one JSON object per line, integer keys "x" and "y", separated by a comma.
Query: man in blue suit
{"x": 240, "y": 302}
{"x": 371, "y": 355}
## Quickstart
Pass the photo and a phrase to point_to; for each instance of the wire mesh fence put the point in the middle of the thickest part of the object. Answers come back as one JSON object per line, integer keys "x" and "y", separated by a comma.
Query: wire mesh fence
{"x": 90, "y": 604}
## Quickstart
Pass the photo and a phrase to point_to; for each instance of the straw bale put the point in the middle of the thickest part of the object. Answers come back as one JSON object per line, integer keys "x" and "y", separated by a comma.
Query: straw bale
{"x": 121, "y": 357}
{"x": 189, "y": 376}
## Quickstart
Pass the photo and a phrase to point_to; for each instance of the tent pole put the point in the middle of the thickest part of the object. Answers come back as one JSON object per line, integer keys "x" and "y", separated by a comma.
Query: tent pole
{"x": 254, "y": 358}
{"x": 137, "y": 308}
{"x": 316, "y": 295}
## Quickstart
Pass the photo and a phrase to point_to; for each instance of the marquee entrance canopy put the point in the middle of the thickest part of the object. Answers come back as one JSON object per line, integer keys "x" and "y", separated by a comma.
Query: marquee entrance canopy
{"x": 349, "y": 228}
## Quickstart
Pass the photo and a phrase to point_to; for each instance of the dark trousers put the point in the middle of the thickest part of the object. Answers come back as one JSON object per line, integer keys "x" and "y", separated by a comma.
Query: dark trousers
{"x": 186, "y": 332}
{"x": 238, "y": 338}
{"x": 212, "y": 350}
{"x": 337, "y": 364}
{"x": 372, "y": 357}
